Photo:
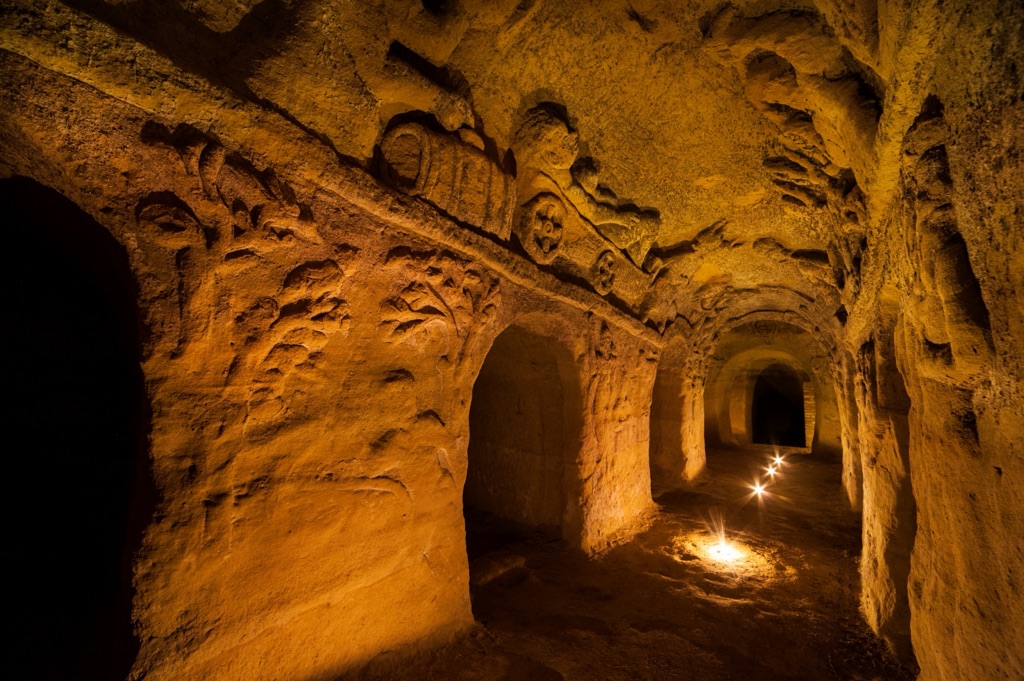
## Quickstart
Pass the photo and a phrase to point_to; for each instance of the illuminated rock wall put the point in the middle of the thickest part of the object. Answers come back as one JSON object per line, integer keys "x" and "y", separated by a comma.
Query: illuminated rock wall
{"x": 310, "y": 357}
{"x": 332, "y": 212}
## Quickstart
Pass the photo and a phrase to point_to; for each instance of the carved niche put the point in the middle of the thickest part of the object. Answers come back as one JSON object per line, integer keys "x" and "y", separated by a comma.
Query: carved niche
{"x": 452, "y": 175}
{"x": 566, "y": 220}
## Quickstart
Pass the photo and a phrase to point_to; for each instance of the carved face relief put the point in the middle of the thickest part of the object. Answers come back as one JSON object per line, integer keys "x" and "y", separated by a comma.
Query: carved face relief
{"x": 544, "y": 141}
{"x": 563, "y": 147}
{"x": 541, "y": 227}
{"x": 602, "y": 272}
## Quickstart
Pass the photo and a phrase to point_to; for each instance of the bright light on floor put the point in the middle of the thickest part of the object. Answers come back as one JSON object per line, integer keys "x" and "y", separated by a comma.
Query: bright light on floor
{"x": 725, "y": 552}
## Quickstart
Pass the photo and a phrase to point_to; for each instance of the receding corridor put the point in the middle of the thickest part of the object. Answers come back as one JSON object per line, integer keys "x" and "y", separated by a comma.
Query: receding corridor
{"x": 448, "y": 339}
{"x": 668, "y": 605}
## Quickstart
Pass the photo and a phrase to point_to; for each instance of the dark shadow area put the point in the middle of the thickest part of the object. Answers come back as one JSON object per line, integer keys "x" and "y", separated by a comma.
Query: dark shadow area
{"x": 523, "y": 421}
{"x": 666, "y": 443}
{"x": 518, "y": 433}
{"x": 80, "y": 491}
{"x": 778, "y": 408}
{"x": 487, "y": 533}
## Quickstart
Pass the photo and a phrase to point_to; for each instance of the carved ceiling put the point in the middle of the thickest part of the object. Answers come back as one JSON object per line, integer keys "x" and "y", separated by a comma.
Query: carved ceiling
{"x": 729, "y": 156}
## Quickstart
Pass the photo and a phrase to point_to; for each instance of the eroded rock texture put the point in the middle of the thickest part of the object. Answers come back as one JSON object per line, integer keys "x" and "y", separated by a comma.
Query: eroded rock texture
{"x": 387, "y": 260}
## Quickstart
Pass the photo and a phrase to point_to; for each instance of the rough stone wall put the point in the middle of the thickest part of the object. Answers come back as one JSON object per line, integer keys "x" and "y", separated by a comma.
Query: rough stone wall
{"x": 939, "y": 565}
{"x": 889, "y": 525}
{"x": 309, "y": 366}
{"x": 314, "y": 335}
{"x": 962, "y": 354}
{"x": 677, "y": 415}
{"x": 849, "y": 420}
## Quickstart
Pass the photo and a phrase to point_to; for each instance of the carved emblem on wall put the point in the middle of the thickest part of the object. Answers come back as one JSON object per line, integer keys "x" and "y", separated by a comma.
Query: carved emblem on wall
{"x": 767, "y": 330}
{"x": 602, "y": 272}
{"x": 456, "y": 177}
{"x": 540, "y": 227}
{"x": 566, "y": 219}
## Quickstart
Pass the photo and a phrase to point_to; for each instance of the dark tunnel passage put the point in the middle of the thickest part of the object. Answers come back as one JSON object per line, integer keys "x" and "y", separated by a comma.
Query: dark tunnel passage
{"x": 76, "y": 426}
{"x": 777, "y": 410}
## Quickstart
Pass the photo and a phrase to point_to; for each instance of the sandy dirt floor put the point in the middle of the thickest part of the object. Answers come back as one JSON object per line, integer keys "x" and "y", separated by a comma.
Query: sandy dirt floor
{"x": 672, "y": 603}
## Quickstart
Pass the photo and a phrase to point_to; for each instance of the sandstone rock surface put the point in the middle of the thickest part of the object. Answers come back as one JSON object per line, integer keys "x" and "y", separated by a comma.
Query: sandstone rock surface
{"x": 387, "y": 260}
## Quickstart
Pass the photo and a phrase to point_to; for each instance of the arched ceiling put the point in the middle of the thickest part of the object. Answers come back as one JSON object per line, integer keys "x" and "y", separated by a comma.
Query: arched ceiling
{"x": 756, "y": 130}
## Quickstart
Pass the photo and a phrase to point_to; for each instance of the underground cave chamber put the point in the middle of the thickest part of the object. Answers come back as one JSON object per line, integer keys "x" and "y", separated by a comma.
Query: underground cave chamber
{"x": 456, "y": 339}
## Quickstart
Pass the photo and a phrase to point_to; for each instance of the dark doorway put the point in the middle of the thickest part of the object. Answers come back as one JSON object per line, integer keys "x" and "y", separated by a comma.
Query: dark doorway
{"x": 78, "y": 484}
{"x": 521, "y": 422}
{"x": 777, "y": 412}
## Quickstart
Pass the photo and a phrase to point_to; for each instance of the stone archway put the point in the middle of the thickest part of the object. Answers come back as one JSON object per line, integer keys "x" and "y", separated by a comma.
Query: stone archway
{"x": 729, "y": 397}
{"x": 79, "y": 415}
{"x": 524, "y": 430}
{"x": 666, "y": 443}
{"x": 777, "y": 407}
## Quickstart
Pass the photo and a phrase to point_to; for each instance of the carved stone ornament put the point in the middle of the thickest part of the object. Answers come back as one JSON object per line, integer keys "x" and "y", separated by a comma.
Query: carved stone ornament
{"x": 565, "y": 221}
{"x": 603, "y": 272}
{"x": 767, "y": 330}
{"x": 540, "y": 227}
{"x": 453, "y": 176}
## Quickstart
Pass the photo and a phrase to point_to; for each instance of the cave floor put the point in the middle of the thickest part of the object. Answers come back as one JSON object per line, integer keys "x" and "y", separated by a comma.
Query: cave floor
{"x": 661, "y": 607}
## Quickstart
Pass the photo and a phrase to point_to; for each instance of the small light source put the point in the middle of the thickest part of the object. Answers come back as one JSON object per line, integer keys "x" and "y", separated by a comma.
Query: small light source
{"x": 777, "y": 460}
{"x": 771, "y": 471}
{"x": 758, "y": 489}
{"x": 724, "y": 552}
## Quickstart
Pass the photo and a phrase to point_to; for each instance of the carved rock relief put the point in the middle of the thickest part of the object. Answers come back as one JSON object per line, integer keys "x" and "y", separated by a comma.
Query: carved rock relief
{"x": 568, "y": 221}
{"x": 560, "y": 214}
{"x": 283, "y": 335}
{"x": 856, "y": 24}
{"x": 456, "y": 177}
{"x": 696, "y": 283}
{"x": 617, "y": 398}
{"x": 225, "y": 247}
{"x": 952, "y": 320}
{"x": 440, "y": 291}
{"x": 796, "y": 73}
{"x": 439, "y": 302}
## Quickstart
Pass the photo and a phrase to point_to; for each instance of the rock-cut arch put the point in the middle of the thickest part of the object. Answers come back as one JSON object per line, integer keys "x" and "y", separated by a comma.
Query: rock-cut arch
{"x": 779, "y": 412}
{"x": 524, "y": 425}
{"x": 730, "y": 399}
{"x": 78, "y": 423}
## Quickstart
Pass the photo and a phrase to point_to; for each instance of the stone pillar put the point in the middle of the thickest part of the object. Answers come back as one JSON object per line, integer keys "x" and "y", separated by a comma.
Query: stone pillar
{"x": 810, "y": 413}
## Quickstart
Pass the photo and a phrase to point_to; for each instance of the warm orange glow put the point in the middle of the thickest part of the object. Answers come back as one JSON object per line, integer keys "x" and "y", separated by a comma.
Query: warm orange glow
{"x": 724, "y": 552}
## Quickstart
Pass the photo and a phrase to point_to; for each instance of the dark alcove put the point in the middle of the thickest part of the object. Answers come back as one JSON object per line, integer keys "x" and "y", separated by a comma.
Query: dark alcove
{"x": 777, "y": 411}
{"x": 79, "y": 489}
{"x": 523, "y": 421}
